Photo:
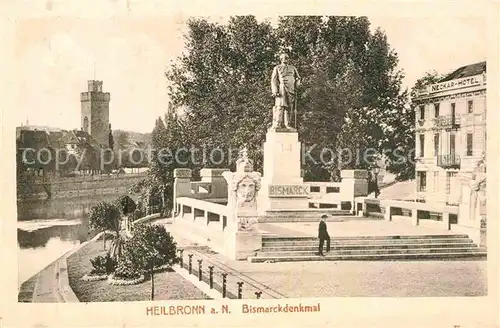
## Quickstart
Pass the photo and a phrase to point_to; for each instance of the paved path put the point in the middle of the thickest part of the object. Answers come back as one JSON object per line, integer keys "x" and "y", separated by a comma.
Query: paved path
{"x": 350, "y": 278}
{"x": 46, "y": 289}
{"x": 368, "y": 227}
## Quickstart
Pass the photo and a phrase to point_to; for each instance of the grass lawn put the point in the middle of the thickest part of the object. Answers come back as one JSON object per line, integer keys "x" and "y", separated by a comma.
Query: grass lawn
{"x": 168, "y": 285}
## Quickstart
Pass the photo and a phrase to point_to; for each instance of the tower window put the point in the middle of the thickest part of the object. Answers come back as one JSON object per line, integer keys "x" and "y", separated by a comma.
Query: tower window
{"x": 86, "y": 124}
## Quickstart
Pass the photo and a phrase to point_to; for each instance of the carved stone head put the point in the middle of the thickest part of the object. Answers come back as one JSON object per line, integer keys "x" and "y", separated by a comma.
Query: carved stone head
{"x": 246, "y": 190}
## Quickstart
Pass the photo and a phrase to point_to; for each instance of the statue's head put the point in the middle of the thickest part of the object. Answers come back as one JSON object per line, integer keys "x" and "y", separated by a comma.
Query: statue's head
{"x": 246, "y": 190}
{"x": 246, "y": 186}
{"x": 284, "y": 58}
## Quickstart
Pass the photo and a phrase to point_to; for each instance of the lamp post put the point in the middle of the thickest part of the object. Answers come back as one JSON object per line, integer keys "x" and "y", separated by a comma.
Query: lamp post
{"x": 376, "y": 171}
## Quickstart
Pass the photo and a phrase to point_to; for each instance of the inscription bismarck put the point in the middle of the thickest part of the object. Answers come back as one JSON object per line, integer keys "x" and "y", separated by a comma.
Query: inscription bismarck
{"x": 288, "y": 190}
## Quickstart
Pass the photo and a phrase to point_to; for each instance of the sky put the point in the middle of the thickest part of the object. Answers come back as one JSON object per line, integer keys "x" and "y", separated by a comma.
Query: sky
{"x": 56, "y": 57}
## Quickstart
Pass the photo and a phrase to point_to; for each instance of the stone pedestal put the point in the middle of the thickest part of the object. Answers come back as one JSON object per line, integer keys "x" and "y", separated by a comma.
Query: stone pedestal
{"x": 182, "y": 184}
{"x": 282, "y": 184}
{"x": 217, "y": 181}
{"x": 239, "y": 245}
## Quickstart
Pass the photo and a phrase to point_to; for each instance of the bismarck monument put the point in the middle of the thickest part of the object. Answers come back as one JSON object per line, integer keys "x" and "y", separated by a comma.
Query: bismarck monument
{"x": 282, "y": 184}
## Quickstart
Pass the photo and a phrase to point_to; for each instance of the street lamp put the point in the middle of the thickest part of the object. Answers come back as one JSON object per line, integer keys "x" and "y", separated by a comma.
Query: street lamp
{"x": 376, "y": 171}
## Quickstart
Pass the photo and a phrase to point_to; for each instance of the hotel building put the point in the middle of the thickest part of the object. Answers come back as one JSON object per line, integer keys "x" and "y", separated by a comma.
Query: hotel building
{"x": 450, "y": 132}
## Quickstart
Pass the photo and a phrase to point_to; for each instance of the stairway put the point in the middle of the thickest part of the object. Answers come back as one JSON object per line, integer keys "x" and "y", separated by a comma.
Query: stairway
{"x": 369, "y": 248}
{"x": 307, "y": 215}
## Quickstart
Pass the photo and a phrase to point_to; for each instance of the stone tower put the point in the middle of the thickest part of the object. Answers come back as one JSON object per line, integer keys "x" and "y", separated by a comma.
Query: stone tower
{"x": 95, "y": 112}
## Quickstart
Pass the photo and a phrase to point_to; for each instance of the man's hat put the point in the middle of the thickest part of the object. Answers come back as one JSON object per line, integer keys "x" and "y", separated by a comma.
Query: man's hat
{"x": 324, "y": 216}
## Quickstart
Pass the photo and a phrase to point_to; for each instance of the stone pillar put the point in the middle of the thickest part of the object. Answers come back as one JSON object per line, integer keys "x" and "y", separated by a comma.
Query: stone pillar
{"x": 219, "y": 184}
{"x": 242, "y": 237}
{"x": 182, "y": 185}
{"x": 387, "y": 214}
{"x": 446, "y": 220}
{"x": 354, "y": 183}
{"x": 414, "y": 217}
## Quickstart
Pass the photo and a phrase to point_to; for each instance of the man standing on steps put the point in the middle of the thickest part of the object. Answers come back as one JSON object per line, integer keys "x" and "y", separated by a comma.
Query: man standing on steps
{"x": 323, "y": 235}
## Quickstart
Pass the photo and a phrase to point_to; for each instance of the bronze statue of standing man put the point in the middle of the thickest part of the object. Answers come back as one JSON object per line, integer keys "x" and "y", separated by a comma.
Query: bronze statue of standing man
{"x": 284, "y": 82}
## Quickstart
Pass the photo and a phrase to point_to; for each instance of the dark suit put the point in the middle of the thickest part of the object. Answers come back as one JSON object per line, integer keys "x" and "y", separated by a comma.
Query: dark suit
{"x": 323, "y": 235}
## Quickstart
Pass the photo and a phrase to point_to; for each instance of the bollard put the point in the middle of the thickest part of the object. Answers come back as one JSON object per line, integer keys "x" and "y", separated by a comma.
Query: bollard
{"x": 240, "y": 284}
{"x": 181, "y": 257}
{"x": 258, "y": 294}
{"x": 211, "y": 268}
{"x": 199, "y": 269}
{"x": 190, "y": 268}
{"x": 224, "y": 281}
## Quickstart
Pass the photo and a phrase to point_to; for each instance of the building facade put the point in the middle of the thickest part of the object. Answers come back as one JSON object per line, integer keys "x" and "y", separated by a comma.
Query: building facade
{"x": 450, "y": 132}
{"x": 95, "y": 112}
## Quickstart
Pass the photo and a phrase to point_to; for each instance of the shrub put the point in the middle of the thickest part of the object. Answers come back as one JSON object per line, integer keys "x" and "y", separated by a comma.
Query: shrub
{"x": 126, "y": 204}
{"x": 103, "y": 265}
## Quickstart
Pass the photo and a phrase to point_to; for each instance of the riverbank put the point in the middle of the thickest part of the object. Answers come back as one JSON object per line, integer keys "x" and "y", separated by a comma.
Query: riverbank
{"x": 61, "y": 281}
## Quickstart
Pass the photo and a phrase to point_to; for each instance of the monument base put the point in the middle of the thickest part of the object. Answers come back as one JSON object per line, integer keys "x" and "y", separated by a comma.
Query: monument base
{"x": 239, "y": 245}
{"x": 290, "y": 196}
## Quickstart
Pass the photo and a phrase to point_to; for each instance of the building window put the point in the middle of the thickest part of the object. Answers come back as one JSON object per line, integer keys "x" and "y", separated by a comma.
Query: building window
{"x": 422, "y": 142}
{"x": 453, "y": 112}
{"x": 421, "y": 180}
{"x": 422, "y": 112}
{"x": 452, "y": 144}
{"x": 470, "y": 106}
{"x": 436, "y": 110}
{"x": 469, "y": 144}
{"x": 449, "y": 177}
{"x": 436, "y": 181}
{"x": 436, "y": 144}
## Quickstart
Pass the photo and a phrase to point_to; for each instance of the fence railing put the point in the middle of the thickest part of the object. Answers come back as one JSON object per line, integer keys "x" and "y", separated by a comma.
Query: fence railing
{"x": 216, "y": 277}
{"x": 449, "y": 160}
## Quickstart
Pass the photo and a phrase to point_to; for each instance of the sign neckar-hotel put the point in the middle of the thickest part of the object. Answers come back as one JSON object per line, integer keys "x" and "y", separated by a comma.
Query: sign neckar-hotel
{"x": 457, "y": 84}
{"x": 288, "y": 190}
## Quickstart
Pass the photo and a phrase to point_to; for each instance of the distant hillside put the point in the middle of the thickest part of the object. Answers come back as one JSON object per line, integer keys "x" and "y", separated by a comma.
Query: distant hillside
{"x": 123, "y": 137}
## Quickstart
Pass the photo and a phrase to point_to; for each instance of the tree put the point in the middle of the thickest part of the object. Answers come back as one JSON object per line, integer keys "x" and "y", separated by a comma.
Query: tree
{"x": 150, "y": 247}
{"x": 104, "y": 216}
{"x": 111, "y": 141}
{"x": 350, "y": 95}
{"x": 126, "y": 204}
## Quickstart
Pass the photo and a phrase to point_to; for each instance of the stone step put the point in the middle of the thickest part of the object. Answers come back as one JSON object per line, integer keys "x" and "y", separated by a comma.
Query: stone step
{"x": 336, "y": 252}
{"x": 374, "y": 246}
{"x": 480, "y": 254}
{"x": 308, "y": 212}
{"x": 280, "y": 219}
{"x": 345, "y": 238}
{"x": 368, "y": 242}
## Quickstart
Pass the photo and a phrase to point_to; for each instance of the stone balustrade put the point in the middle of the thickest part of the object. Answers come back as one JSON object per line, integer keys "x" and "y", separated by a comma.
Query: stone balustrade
{"x": 212, "y": 213}
{"x": 212, "y": 185}
{"x": 339, "y": 194}
{"x": 426, "y": 214}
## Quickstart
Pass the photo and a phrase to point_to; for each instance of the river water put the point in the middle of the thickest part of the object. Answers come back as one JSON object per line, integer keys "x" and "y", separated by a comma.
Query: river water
{"x": 40, "y": 242}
